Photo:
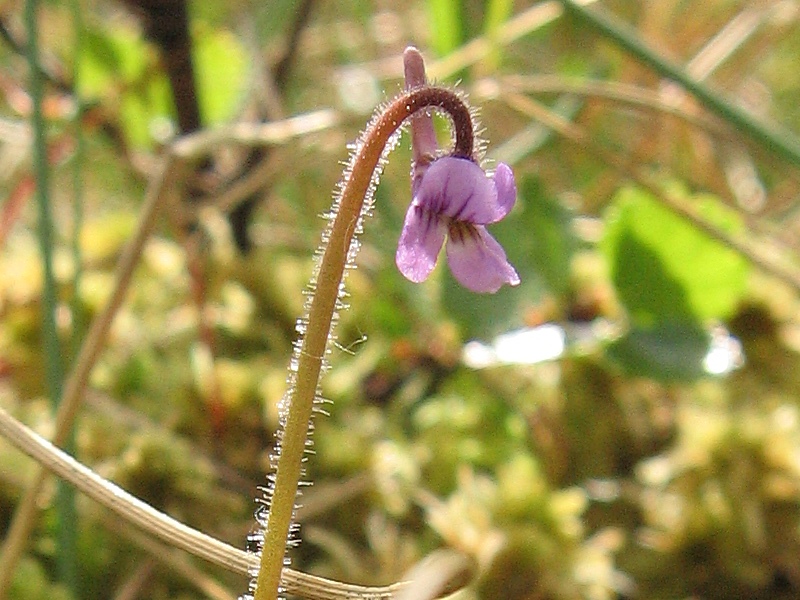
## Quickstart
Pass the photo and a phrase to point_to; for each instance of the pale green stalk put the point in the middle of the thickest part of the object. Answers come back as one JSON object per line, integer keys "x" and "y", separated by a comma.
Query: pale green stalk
{"x": 776, "y": 140}
{"x": 339, "y": 248}
{"x": 65, "y": 499}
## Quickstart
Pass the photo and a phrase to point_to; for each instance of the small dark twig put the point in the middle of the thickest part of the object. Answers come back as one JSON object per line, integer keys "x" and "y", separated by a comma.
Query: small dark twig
{"x": 284, "y": 65}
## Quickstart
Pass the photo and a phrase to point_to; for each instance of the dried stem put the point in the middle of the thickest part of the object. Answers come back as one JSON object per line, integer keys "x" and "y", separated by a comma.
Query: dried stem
{"x": 339, "y": 247}
{"x": 176, "y": 534}
{"x": 349, "y": 208}
{"x": 778, "y": 141}
{"x": 168, "y": 171}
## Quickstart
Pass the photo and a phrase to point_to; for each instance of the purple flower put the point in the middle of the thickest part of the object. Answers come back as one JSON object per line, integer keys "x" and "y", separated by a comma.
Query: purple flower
{"x": 454, "y": 199}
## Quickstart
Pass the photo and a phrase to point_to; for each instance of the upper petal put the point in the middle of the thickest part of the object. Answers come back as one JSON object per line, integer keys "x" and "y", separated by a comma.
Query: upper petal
{"x": 460, "y": 189}
{"x": 477, "y": 261}
{"x": 420, "y": 242}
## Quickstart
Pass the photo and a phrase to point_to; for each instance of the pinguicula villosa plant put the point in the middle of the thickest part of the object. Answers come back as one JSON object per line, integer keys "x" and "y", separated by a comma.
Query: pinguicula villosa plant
{"x": 453, "y": 198}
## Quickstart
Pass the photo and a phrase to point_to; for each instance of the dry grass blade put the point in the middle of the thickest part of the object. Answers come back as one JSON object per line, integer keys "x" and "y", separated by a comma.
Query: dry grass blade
{"x": 439, "y": 574}
{"x": 174, "y": 560}
{"x": 616, "y": 92}
{"x": 170, "y": 171}
{"x": 534, "y": 18}
{"x": 136, "y": 581}
{"x": 254, "y": 134}
{"x": 178, "y": 535}
{"x": 24, "y": 517}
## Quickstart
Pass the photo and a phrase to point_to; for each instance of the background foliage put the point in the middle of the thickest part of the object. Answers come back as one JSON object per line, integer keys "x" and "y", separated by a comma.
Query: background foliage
{"x": 651, "y": 449}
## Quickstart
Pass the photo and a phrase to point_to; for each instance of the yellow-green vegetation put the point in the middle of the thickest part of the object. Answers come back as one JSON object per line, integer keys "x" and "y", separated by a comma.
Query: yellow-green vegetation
{"x": 656, "y": 457}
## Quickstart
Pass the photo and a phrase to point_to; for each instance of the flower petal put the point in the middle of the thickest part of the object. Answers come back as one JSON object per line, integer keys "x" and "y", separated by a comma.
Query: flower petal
{"x": 420, "y": 242}
{"x": 477, "y": 261}
{"x": 506, "y": 189}
{"x": 460, "y": 189}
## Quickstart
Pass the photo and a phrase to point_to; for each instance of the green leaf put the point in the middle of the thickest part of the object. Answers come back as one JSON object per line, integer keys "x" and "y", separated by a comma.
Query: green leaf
{"x": 665, "y": 268}
{"x": 142, "y": 106}
{"x": 116, "y": 68}
{"x": 544, "y": 238}
{"x": 111, "y": 59}
{"x": 446, "y": 25}
{"x": 668, "y": 351}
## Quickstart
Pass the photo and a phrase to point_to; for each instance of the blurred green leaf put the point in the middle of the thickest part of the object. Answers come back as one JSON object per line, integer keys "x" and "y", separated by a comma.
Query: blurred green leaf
{"x": 545, "y": 232}
{"x": 31, "y": 582}
{"x": 111, "y": 58}
{"x": 221, "y": 71}
{"x": 115, "y": 68}
{"x": 668, "y": 351}
{"x": 144, "y": 106}
{"x": 447, "y": 30}
{"x": 497, "y": 13}
{"x": 665, "y": 268}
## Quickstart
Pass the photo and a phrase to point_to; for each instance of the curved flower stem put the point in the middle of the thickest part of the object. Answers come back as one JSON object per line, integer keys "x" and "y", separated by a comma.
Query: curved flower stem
{"x": 338, "y": 244}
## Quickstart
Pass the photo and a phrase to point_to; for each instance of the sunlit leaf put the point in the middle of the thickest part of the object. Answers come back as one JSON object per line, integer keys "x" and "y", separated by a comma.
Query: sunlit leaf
{"x": 115, "y": 67}
{"x": 111, "y": 58}
{"x": 146, "y": 108}
{"x": 663, "y": 267}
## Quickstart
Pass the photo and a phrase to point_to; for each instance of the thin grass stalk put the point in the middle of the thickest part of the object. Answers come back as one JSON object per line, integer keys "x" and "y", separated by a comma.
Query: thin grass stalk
{"x": 78, "y": 321}
{"x": 170, "y": 170}
{"x": 774, "y": 140}
{"x": 25, "y": 516}
{"x": 68, "y": 525}
{"x": 66, "y": 532}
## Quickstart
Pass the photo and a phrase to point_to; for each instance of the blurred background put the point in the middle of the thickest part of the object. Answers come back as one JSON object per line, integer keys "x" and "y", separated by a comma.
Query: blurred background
{"x": 625, "y": 424}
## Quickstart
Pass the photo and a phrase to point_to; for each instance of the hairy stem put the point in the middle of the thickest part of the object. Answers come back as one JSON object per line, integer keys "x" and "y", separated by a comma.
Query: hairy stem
{"x": 310, "y": 355}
